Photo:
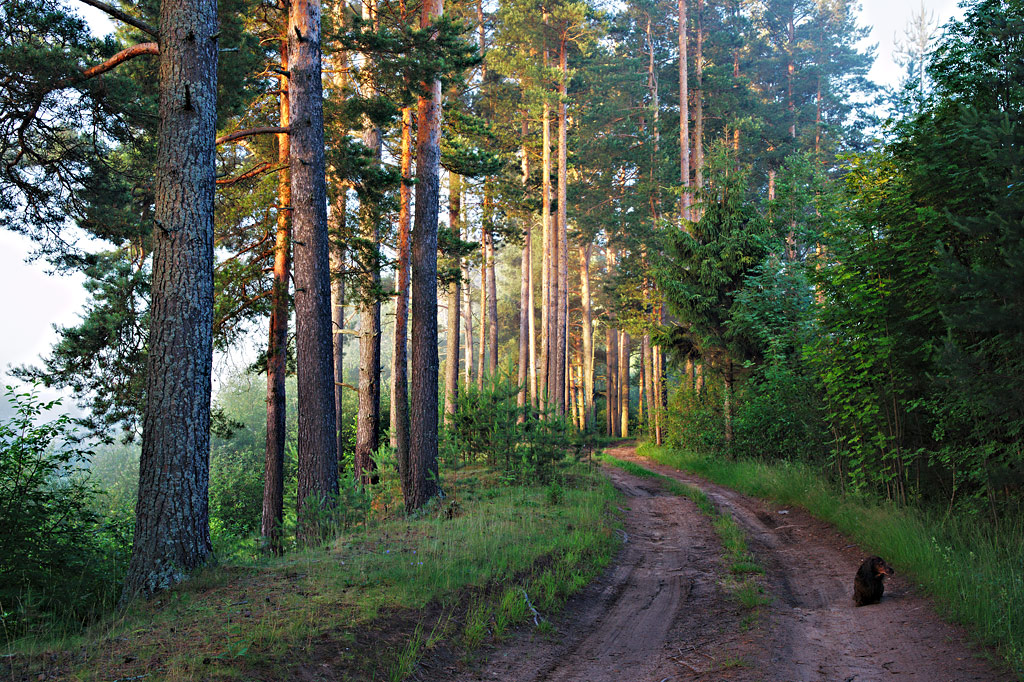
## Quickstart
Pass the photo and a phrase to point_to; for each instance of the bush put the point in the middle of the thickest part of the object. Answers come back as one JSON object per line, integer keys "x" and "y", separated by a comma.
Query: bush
{"x": 60, "y": 560}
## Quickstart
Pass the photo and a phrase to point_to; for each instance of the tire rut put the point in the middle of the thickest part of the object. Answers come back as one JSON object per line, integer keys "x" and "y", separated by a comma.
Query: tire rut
{"x": 627, "y": 625}
{"x": 814, "y": 632}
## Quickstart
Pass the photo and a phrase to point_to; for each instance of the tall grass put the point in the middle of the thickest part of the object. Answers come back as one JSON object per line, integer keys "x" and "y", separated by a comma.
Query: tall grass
{"x": 974, "y": 570}
{"x": 462, "y": 573}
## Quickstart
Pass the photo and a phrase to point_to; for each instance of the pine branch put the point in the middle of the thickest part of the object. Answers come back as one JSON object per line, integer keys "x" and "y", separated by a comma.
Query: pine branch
{"x": 121, "y": 16}
{"x": 122, "y": 56}
{"x": 259, "y": 169}
{"x": 249, "y": 132}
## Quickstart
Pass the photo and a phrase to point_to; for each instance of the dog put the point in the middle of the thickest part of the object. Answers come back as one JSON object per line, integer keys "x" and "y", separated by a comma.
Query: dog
{"x": 868, "y": 584}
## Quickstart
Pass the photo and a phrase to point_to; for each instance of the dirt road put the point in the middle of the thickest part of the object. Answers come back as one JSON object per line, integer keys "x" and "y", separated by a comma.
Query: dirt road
{"x": 664, "y": 611}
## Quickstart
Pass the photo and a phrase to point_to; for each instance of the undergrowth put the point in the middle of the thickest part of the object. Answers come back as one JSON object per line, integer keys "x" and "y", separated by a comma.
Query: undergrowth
{"x": 455, "y": 575}
{"x": 974, "y": 570}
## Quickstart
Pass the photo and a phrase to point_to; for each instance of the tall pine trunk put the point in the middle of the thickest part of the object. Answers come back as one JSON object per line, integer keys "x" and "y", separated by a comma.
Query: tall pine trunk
{"x": 368, "y": 415}
{"x": 451, "y": 367}
{"x": 612, "y": 380}
{"x": 563, "y": 243}
{"x": 337, "y": 223}
{"x": 525, "y": 309}
{"x": 624, "y": 384}
{"x": 423, "y": 434}
{"x": 587, "y": 364}
{"x": 399, "y": 361}
{"x": 467, "y": 311}
{"x": 172, "y": 530}
{"x": 698, "y": 105}
{"x": 684, "y": 118}
{"x": 317, "y": 445}
{"x": 277, "y": 345}
{"x": 547, "y": 302}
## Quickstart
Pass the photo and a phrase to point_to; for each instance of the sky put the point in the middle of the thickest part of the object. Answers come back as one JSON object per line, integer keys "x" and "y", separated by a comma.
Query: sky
{"x": 37, "y": 300}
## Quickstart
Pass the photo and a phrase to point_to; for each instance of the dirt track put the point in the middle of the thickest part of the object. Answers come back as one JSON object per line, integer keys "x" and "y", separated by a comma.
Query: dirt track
{"x": 663, "y": 612}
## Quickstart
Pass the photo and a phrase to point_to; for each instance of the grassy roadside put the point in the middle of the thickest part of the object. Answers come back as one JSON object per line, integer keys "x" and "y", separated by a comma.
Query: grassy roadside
{"x": 742, "y": 565}
{"x": 367, "y": 606}
{"x": 975, "y": 572}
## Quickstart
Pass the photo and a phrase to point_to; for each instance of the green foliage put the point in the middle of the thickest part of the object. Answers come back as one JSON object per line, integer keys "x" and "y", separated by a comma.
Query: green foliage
{"x": 488, "y": 427}
{"x": 60, "y": 562}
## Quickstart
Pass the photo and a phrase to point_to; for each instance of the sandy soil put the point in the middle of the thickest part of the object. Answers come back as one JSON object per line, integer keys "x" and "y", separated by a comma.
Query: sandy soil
{"x": 664, "y": 613}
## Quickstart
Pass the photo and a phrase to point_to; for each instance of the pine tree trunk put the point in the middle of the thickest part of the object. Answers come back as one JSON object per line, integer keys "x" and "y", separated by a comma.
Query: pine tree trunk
{"x": 612, "y": 380}
{"x": 525, "y": 309}
{"x": 727, "y": 407}
{"x": 492, "y": 305}
{"x": 587, "y": 364}
{"x": 563, "y": 242}
{"x": 547, "y": 313}
{"x": 368, "y": 416}
{"x": 399, "y": 362}
{"x": 652, "y": 411}
{"x": 451, "y": 367}
{"x": 172, "y": 530}
{"x": 659, "y": 405}
{"x": 368, "y": 413}
{"x": 530, "y": 309}
{"x": 623, "y": 384}
{"x": 467, "y": 311}
{"x": 423, "y": 441}
{"x": 684, "y": 118}
{"x": 317, "y": 444}
{"x": 337, "y": 224}
{"x": 277, "y": 345}
{"x": 481, "y": 356}
{"x": 698, "y": 104}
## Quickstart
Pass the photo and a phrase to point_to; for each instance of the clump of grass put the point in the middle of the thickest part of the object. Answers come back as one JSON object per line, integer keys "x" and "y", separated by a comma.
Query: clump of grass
{"x": 974, "y": 570}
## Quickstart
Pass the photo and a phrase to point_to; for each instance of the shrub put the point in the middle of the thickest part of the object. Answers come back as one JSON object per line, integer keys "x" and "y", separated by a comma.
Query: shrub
{"x": 60, "y": 561}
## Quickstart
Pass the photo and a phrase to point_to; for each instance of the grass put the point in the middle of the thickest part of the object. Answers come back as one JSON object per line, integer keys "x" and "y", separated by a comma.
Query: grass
{"x": 973, "y": 570}
{"x": 403, "y": 587}
{"x": 741, "y": 562}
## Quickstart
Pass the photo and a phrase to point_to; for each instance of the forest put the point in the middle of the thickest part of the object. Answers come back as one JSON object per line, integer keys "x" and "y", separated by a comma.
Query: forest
{"x": 549, "y": 232}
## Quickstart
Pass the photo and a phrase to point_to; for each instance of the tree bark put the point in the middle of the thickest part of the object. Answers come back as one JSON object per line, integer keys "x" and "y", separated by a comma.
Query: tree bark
{"x": 451, "y": 367}
{"x": 399, "y": 362}
{"x": 482, "y": 350}
{"x": 423, "y": 441}
{"x": 727, "y": 401}
{"x": 339, "y": 238}
{"x": 698, "y": 105}
{"x": 547, "y": 303}
{"x": 317, "y": 454}
{"x": 468, "y": 319}
{"x": 368, "y": 415}
{"x": 277, "y": 345}
{"x": 612, "y": 380}
{"x": 525, "y": 309}
{"x": 563, "y": 244}
{"x": 624, "y": 384}
{"x": 587, "y": 364}
{"x": 172, "y": 531}
{"x": 684, "y": 119}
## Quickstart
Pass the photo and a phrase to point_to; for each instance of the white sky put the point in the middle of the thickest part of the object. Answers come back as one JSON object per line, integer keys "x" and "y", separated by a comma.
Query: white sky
{"x": 35, "y": 300}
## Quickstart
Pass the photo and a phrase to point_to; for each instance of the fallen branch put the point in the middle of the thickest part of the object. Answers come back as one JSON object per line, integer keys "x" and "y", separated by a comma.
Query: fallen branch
{"x": 536, "y": 615}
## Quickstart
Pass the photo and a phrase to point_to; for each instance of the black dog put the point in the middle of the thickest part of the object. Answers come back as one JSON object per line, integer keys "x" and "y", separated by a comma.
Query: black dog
{"x": 868, "y": 586}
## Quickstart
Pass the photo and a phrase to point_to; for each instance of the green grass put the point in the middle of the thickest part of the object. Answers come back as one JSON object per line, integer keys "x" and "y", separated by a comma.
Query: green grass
{"x": 734, "y": 542}
{"x": 974, "y": 570}
{"x": 411, "y": 583}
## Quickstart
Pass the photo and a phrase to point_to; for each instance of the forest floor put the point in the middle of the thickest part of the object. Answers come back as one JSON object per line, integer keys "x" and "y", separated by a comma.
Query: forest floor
{"x": 668, "y": 609}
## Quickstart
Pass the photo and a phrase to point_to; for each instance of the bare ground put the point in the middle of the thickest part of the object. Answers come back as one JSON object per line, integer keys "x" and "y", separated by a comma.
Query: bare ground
{"x": 665, "y": 610}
